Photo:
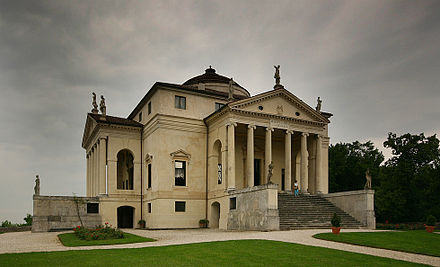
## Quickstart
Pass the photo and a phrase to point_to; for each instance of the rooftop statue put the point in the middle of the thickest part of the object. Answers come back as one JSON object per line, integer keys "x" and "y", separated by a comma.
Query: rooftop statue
{"x": 318, "y": 106}
{"x": 277, "y": 75}
{"x": 94, "y": 104}
{"x": 102, "y": 106}
{"x": 231, "y": 90}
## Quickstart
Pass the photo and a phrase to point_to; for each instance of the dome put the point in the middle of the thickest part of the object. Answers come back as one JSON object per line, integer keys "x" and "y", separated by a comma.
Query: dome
{"x": 209, "y": 77}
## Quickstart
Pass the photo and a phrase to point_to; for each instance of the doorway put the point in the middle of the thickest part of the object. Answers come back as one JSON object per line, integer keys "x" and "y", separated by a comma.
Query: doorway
{"x": 215, "y": 215}
{"x": 125, "y": 217}
{"x": 257, "y": 172}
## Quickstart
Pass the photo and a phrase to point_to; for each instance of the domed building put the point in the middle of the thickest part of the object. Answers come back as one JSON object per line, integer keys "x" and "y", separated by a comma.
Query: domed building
{"x": 207, "y": 150}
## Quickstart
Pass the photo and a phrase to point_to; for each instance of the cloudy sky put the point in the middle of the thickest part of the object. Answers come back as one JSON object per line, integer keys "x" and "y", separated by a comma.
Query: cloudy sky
{"x": 375, "y": 64}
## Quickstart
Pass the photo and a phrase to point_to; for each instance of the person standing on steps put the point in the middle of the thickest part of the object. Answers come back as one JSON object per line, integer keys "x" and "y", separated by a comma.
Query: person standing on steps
{"x": 296, "y": 188}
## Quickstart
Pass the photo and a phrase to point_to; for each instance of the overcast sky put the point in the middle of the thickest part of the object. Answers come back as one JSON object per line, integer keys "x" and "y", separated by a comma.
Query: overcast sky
{"x": 375, "y": 65}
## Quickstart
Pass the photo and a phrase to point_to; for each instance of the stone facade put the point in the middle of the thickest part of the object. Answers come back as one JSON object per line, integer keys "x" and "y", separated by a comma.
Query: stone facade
{"x": 256, "y": 208}
{"x": 359, "y": 204}
{"x": 187, "y": 149}
{"x": 54, "y": 213}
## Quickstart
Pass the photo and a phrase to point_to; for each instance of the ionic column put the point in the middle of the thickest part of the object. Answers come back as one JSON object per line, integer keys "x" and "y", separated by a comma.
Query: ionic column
{"x": 88, "y": 175}
{"x": 97, "y": 169}
{"x": 318, "y": 164}
{"x": 250, "y": 156}
{"x": 101, "y": 167}
{"x": 268, "y": 152}
{"x": 288, "y": 161}
{"x": 304, "y": 164}
{"x": 231, "y": 155}
{"x": 92, "y": 181}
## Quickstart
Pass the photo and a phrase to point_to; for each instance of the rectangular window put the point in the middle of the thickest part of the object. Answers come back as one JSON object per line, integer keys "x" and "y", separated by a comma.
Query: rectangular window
{"x": 232, "y": 203}
{"x": 179, "y": 206}
{"x": 140, "y": 116}
{"x": 180, "y": 173}
{"x": 149, "y": 108}
{"x": 219, "y": 171}
{"x": 149, "y": 175}
{"x": 149, "y": 207}
{"x": 92, "y": 207}
{"x": 219, "y": 106}
{"x": 180, "y": 102}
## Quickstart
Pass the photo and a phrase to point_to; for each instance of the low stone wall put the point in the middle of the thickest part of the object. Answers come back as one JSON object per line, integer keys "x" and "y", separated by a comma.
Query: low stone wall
{"x": 256, "y": 209}
{"x": 359, "y": 204}
{"x": 15, "y": 229}
{"x": 52, "y": 213}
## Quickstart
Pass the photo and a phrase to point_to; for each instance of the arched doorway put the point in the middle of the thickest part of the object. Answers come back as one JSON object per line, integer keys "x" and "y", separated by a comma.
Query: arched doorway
{"x": 215, "y": 215}
{"x": 125, "y": 217}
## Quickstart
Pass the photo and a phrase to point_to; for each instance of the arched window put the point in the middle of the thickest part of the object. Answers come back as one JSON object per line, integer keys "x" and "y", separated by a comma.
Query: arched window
{"x": 125, "y": 170}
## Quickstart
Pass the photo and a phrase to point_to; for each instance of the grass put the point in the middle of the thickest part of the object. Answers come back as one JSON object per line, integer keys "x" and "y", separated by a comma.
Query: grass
{"x": 225, "y": 253}
{"x": 418, "y": 241}
{"x": 71, "y": 240}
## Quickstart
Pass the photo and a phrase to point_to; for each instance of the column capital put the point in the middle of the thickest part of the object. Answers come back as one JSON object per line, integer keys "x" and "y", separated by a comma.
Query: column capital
{"x": 270, "y": 129}
{"x": 251, "y": 126}
{"x": 231, "y": 124}
{"x": 318, "y": 136}
{"x": 289, "y": 131}
{"x": 305, "y": 134}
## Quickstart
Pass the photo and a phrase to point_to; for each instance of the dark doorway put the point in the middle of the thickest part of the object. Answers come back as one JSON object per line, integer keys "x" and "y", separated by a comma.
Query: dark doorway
{"x": 257, "y": 172}
{"x": 283, "y": 176}
{"x": 125, "y": 217}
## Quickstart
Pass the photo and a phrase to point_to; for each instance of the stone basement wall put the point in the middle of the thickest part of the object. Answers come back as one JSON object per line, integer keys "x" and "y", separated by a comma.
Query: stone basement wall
{"x": 52, "y": 213}
{"x": 256, "y": 209}
{"x": 359, "y": 204}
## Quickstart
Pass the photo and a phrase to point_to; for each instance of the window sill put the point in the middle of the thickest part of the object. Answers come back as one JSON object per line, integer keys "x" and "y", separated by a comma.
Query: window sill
{"x": 180, "y": 186}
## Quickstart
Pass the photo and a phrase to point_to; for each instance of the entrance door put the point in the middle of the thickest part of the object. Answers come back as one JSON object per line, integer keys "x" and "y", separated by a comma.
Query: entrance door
{"x": 257, "y": 171}
{"x": 125, "y": 217}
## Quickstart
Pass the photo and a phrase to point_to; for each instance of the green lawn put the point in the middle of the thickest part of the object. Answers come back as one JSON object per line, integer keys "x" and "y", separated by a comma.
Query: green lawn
{"x": 70, "y": 240}
{"x": 418, "y": 241}
{"x": 227, "y": 253}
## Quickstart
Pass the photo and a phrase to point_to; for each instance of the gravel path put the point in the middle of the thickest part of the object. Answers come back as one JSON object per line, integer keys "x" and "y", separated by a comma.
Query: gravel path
{"x": 33, "y": 242}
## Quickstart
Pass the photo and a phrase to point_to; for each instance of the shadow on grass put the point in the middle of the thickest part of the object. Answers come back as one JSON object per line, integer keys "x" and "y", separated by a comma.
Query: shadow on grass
{"x": 71, "y": 240}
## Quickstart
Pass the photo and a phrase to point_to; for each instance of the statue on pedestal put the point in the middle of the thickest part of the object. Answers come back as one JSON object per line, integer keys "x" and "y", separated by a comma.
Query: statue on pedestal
{"x": 37, "y": 186}
{"x": 277, "y": 75}
{"x": 368, "y": 177}
{"x": 94, "y": 104}
{"x": 318, "y": 106}
{"x": 102, "y": 106}
{"x": 270, "y": 173}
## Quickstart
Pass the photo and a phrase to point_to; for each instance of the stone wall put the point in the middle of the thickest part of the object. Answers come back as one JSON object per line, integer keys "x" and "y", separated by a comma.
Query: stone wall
{"x": 52, "y": 213}
{"x": 256, "y": 209}
{"x": 359, "y": 204}
{"x": 15, "y": 229}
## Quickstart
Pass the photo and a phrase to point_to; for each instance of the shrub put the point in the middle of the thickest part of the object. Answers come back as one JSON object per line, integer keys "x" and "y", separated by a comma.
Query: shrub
{"x": 100, "y": 232}
{"x": 28, "y": 219}
{"x": 336, "y": 220}
{"x": 430, "y": 220}
{"x": 6, "y": 223}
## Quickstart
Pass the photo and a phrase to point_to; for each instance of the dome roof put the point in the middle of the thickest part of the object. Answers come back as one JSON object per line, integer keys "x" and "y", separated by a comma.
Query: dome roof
{"x": 209, "y": 77}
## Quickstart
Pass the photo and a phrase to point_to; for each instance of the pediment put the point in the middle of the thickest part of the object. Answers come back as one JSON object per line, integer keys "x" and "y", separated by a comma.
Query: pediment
{"x": 88, "y": 130}
{"x": 182, "y": 154}
{"x": 280, "y": 103}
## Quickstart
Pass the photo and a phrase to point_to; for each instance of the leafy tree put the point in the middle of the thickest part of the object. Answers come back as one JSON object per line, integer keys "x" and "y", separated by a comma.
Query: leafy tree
{"x": 409, "y": 184}
{"x": 28, "y": 219}
{"x": 348, "y": 163}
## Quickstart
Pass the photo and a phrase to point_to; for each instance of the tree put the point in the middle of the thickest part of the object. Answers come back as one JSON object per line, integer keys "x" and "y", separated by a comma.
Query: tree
{"x": 28, "y": 219}
{"x": 348, "y": 163}
{"x": 409, "y": 184}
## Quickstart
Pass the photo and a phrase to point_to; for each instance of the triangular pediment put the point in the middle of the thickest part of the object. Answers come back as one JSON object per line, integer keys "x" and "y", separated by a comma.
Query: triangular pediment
{"x": 88, "y": 129}
{"x": 280, "y": 103}
{"x": 180, "y": 154}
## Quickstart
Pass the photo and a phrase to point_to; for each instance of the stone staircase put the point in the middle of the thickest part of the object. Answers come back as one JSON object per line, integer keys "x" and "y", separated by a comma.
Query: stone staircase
{"x": 310, "y": 212}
